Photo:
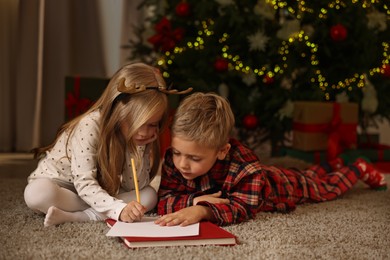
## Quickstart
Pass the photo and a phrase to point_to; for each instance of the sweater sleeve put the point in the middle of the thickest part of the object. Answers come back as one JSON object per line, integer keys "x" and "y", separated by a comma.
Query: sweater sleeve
{"x": 243, "y": 191}
{"x": 240, "y": 178}
{"x": 173, "y": 194}
{"x": 83, "y": 144}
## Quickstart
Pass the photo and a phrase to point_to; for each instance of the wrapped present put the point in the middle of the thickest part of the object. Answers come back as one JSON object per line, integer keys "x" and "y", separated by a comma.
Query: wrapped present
{"x": 325, "y": 126}
{"x": 375, "y": 155}
{"x": 367, "y": 139}
{"x": 374, "y": 152}
{"x": 81, "y": 93}
{"x": 314, "y": 157}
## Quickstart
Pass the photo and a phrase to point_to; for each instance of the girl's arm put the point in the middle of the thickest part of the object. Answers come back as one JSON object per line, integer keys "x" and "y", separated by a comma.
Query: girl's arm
{"x": 242, "y": 188}
{"x": 83, "y": 148}
{"x": 173, "y": 194}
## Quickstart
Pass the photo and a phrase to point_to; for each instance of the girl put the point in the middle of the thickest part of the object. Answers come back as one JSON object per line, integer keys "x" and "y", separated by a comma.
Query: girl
{"x": 86, "y": 173}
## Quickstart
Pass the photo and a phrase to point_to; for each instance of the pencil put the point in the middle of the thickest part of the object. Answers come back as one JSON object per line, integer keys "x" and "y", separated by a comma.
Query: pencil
{"x": 135, "y": 181}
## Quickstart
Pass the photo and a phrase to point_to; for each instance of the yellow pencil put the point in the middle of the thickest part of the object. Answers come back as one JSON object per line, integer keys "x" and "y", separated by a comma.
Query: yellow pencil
{"x": 135, "y": 181}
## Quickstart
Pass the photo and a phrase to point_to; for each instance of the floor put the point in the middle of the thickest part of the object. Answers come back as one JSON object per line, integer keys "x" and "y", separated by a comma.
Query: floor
{"x": 9, "y": 157}
{"x": 16, "y": 165}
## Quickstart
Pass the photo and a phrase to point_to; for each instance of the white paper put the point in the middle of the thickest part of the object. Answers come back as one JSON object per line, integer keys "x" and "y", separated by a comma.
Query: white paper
{"x": 147, "y": 228}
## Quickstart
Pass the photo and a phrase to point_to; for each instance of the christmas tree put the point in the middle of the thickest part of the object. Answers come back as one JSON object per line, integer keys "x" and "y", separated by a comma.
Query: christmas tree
{"x": 264, "y": 55}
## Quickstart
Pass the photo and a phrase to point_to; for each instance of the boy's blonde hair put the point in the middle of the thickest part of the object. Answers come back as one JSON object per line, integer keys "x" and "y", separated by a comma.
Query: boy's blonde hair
{"x": 205, "y": 118}
{"x": 115, "y": 108}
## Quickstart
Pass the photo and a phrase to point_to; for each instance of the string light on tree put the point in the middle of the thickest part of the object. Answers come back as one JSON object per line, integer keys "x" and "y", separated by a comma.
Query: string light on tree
{"x": 338, "y": 33}
{"x": 236, "y": 39}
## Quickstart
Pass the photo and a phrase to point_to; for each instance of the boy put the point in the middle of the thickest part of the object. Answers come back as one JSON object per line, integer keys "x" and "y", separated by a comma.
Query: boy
{"x": 207, "y": 176}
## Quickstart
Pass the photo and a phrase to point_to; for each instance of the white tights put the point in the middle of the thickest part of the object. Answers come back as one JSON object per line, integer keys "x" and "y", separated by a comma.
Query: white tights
{"x": 63, "y": 205}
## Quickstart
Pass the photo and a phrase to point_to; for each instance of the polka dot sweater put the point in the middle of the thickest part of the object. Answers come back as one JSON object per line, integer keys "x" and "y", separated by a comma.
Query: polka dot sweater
{"x": 80, "y": 172}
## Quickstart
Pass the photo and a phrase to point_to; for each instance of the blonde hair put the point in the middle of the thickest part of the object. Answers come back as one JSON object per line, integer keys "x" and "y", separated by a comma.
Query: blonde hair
{"x": 205, "y": 118}
{"x": 116, "y": 107}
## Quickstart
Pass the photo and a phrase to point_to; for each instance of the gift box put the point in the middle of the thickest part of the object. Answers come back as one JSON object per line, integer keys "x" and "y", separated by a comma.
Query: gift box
{"x": 374, "y": 155}
{"x": 375, "y": 152}
{"x": 81, "y": 93}
{"x": 325, "y": 126}
{"x": 314, "y": 157}
{"x": 364, "y": 139}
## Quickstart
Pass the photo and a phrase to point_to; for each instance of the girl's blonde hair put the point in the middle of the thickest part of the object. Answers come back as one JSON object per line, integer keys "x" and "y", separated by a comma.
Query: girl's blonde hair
{"x": 115, "y": 108}
{"x": 205, "y": 118}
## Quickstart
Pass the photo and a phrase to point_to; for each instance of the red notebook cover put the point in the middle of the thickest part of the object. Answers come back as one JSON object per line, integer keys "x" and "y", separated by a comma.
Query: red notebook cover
{"x": 209, "y": 234}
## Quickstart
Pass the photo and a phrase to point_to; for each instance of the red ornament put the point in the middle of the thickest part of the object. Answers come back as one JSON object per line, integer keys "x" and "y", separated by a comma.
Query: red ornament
{"x": 338, "y": 32}
{"x": 250, "y": 121}
{"x": 221, "y": 65}
{"x": 166, "y": 37}
{"x": 386, "y": 70}
{"x": 183, "y": 9}
{"x": 268, "y": 80}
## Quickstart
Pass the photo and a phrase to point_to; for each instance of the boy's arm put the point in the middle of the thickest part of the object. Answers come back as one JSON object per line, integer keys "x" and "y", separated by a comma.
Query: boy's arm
{"x": 173, "y": 193}
{"x": 186, "y": 216}
{"x": 245, "y": 198}
{"x": 193, "y": 214}
{"x": 243, "y": 190}
{"x": 243, "y": 204}
{"x": 243, "y": 186}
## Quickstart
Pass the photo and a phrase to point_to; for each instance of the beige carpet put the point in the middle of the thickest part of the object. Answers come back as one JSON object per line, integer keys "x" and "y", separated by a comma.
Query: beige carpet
{"x": 356, "y": 226}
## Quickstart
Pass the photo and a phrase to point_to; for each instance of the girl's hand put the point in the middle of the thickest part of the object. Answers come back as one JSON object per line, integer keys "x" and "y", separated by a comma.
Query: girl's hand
{"x": 133, "y": 211}
{"x": 211, "y": 198}
{"x": 185, "y": 217}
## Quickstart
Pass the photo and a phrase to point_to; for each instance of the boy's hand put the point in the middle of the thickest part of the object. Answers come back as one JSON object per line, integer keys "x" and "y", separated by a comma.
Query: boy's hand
{"x": 211, "y": 198}
{"x": 132, "y": 212}
{"x": 185, "y": 217}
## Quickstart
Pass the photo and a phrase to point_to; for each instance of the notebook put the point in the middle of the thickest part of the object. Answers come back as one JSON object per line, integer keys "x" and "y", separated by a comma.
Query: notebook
{"x": 209, "y": 234}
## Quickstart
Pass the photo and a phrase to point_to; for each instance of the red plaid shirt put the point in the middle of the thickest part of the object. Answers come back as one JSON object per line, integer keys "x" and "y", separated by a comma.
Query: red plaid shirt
{"x": 250, "y": 186}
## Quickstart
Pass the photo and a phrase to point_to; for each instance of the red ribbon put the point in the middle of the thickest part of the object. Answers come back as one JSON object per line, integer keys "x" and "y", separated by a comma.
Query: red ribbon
{"x": 74, "y": 104}
{"x": 340, "y": 135}
{"x": 317, "y": 157}
{"x": 380, "y": 148}
{"x": 374, "y": 146}
{"x": 380, "y": 155}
